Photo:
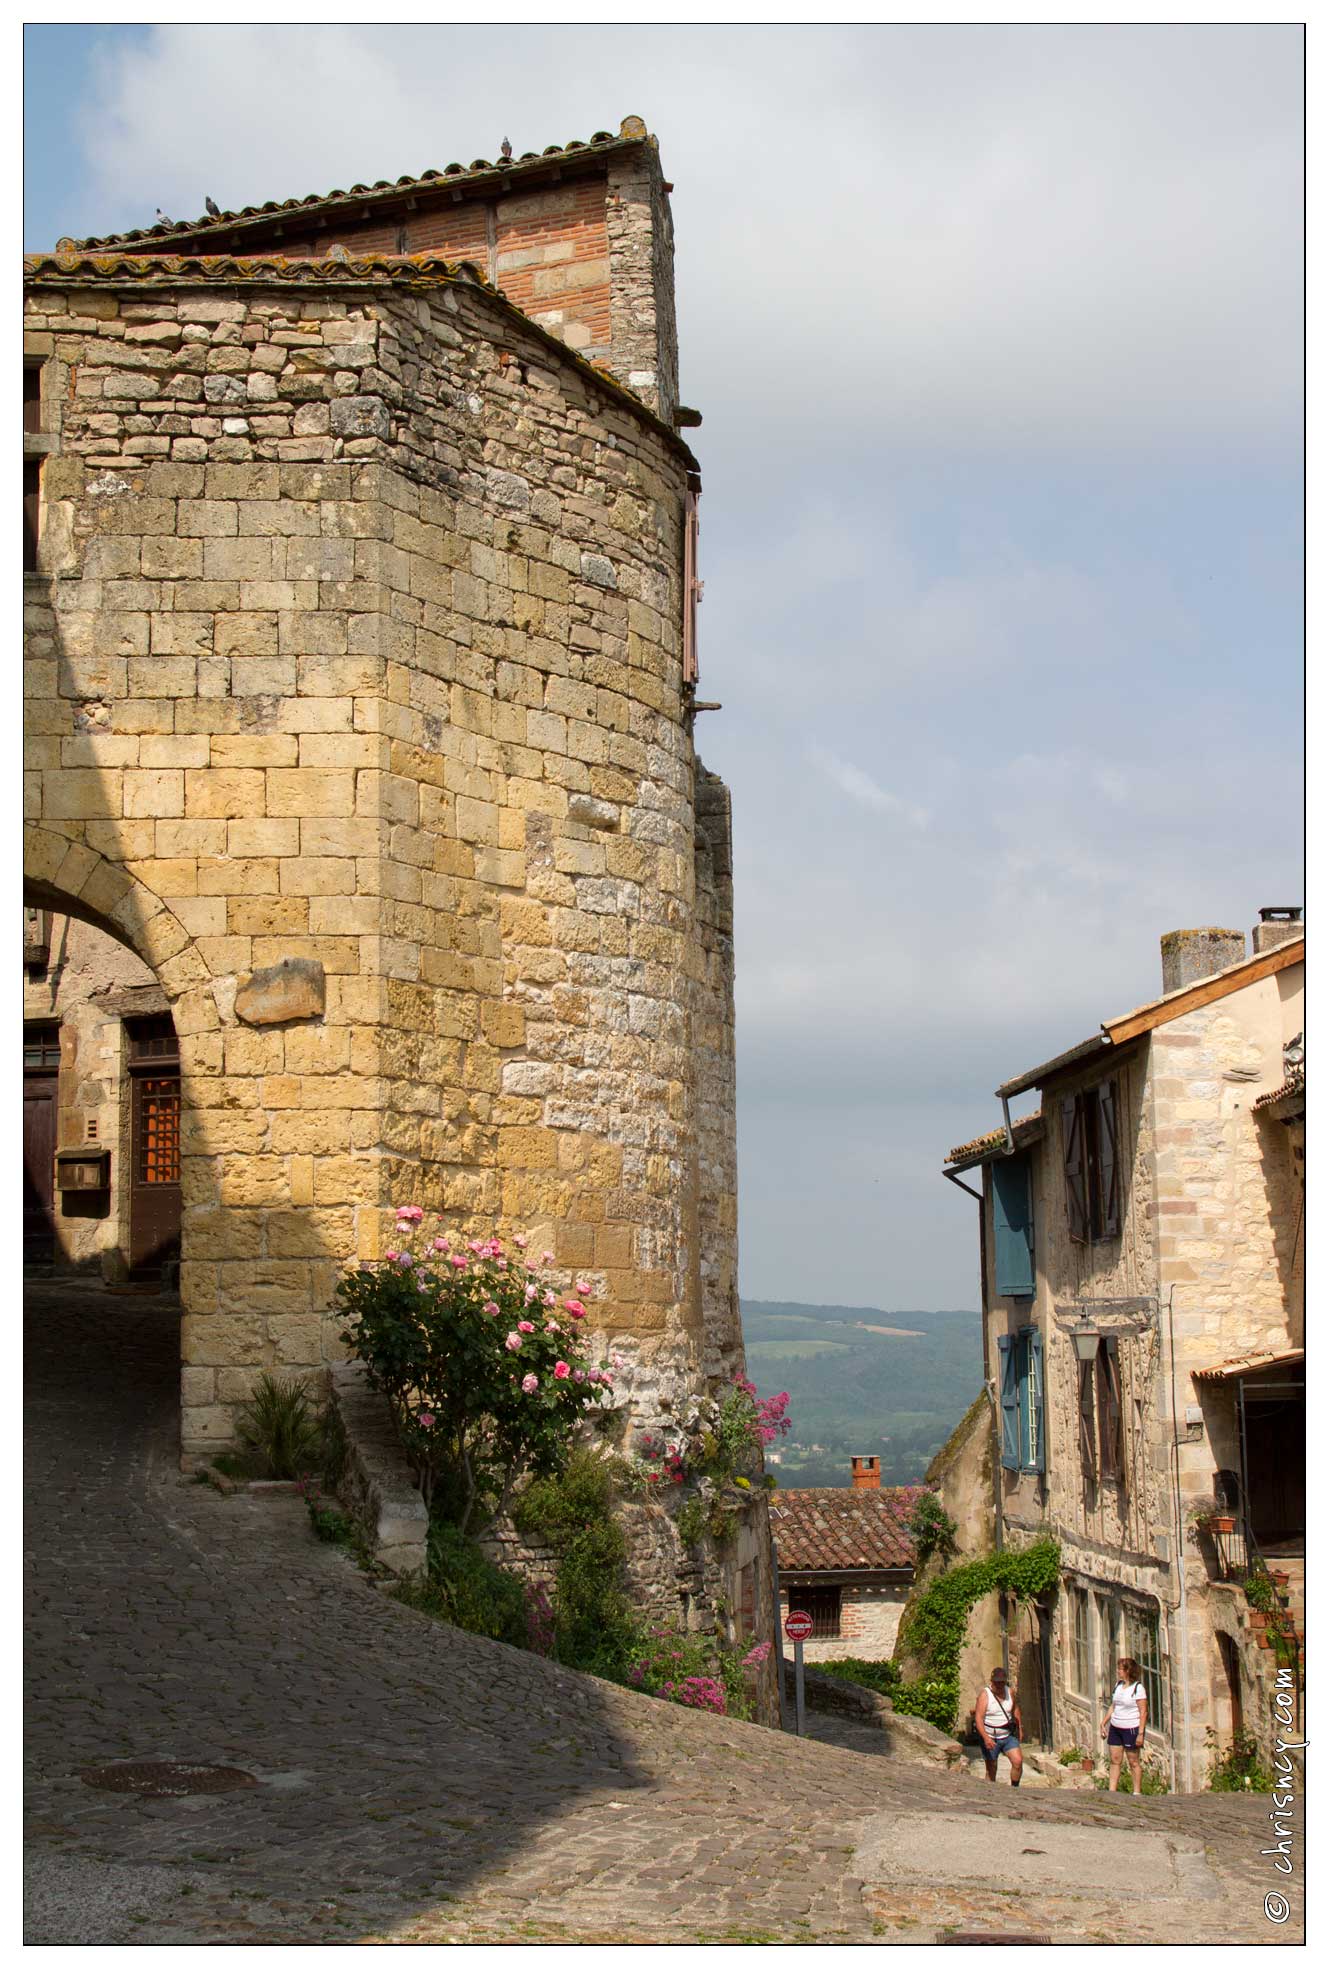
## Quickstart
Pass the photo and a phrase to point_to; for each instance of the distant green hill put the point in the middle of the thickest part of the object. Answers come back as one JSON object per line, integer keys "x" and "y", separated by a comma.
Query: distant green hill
{"x": 862, "y": 1382}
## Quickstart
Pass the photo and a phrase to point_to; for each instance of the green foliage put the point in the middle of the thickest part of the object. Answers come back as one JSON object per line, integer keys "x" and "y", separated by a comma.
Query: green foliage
{"x": 702, "y": 1517}
{"x": 282, "y": 1424}
{"x": 883, "y": 1676}
{"x": 573, "y": 1513}
{"x": 1260, "y": 1594}
{"x": 933, "y": 1629}
{"x": 931, "y": 1528}
{"x": 463, "y": 1587}
{"x": 1071, "y": 1755}
{"x": 1238, "y": 1767}
{"x": 481, "y": 1360}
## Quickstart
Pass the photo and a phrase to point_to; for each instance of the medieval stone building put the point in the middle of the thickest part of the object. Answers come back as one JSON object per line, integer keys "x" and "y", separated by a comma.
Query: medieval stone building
{"x": 364, "y": 818}
{"x": 1143, "y": 1333}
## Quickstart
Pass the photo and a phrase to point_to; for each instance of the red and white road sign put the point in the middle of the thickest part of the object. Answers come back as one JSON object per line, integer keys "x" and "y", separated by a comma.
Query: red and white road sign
{"x": 798, "y": 1625}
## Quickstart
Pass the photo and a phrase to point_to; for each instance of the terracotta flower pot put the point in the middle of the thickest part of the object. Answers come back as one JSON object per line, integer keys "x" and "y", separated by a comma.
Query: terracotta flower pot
{"x": 1219, "y": 1521}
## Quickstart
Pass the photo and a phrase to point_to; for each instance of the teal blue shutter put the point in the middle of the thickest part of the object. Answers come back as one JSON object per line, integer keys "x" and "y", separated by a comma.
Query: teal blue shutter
{"x": 1036, "y": 1398}
{"x": 1010, "y": 1421}
{"x": 1013, "y": 1226}
{"x": 1020, "y": 1355}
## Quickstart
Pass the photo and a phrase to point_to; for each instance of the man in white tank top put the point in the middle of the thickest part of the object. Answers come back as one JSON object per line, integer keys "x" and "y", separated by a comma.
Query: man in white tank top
{"x": 997, "y": 1720}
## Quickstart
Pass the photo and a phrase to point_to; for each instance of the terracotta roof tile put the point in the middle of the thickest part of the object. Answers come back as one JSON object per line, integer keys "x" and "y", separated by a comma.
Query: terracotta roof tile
{"x": 477, "y": 172}
{"x": 843, "y": 1530}
{"x": 1294, "y": 1084}
{"x": 400, "y": 268}
{"x": 1028, "y": 1129}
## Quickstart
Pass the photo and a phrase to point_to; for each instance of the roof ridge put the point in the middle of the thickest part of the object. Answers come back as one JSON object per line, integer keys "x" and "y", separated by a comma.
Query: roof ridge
{"x": 631, "y": 131}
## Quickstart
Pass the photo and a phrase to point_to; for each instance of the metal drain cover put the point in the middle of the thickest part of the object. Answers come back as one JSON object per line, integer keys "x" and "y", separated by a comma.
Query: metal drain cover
{"x": 978, "y": 1937}
{"x": 167, "y": 1780}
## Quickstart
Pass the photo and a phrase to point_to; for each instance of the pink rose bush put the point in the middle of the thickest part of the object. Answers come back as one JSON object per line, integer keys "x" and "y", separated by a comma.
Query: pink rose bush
{"x": 720, "y": 1440}
{"x": 482, "y": 1397}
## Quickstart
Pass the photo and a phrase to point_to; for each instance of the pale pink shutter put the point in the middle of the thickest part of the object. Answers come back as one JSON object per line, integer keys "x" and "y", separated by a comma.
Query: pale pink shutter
{"x": 691, "y": 591}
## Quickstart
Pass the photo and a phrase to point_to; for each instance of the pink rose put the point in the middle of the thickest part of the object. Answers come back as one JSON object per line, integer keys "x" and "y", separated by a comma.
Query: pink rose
{"x": 475, "y": 1246}
{"x": 521, "y": 1242}
{"x": 575, "y": 1307}
{"x": 458, "y": 1261}
{"x": 409, "y": 1213}
{"x": 513, "y": 1342}
{"x": 583, "y": 1286}
{"x": 550, "y": 1299}
{"x": 391, "y": 1257}
{"x": 440, "y": 1244}
{"x": 425, "y": 1419}
{"x": 561, "y": 1370}
{"x": 530, "y": 1382}
{"x": 578, "y": 1374}
{"x": 405, "y": 1258}
{"x": 532, "y": 1292}
{"x": 490, "y": 1309}
{"x": 547, "y": 1257}
{"x": 500, "y": 1264}
{"x": 525, "y": 1326}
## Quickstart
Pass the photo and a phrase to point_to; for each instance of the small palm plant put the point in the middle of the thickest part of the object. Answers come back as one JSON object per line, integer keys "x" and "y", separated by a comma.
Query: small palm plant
{"x": 281, "y": 1423}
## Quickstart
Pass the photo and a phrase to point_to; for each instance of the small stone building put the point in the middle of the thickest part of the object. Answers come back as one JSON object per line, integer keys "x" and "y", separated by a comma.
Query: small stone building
{"x": 1141, "y": 1239}
{"x": 846, "y": 1558}
{"x": 360, "y": 594}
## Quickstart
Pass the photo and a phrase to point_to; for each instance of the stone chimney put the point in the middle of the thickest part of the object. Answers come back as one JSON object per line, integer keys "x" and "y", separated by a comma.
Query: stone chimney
{"x": 1189, "y": 956}
{"x": 866, "y": 1472}
{"x": 1277, "y": 926}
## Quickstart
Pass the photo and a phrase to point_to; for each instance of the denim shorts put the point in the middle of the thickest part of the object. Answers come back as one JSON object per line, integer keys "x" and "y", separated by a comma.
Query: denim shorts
{"x": 1126, "y": 1739}
{"x": 1001, "y": 1746}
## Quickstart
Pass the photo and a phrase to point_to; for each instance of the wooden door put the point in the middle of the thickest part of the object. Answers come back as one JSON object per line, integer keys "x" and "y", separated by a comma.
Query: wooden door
{"x": 39, "y": 1092}
{"x": 154, "y": 1181}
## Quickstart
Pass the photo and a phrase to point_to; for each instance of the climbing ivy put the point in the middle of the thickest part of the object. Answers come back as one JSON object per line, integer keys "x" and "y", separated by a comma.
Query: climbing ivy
{"x": 934, "y": 1628}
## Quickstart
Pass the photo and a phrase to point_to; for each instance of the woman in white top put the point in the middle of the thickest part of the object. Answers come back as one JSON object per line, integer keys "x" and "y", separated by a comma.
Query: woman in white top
{"x": 997, "y": 1720}
{"x": 1123, "y": 1725}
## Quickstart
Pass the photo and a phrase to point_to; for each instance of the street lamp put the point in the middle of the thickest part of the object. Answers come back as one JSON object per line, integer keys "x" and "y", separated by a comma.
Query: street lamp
{"x": 1085, "y": 1336}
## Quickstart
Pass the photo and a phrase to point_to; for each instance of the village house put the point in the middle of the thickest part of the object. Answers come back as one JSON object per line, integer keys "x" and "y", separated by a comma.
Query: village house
{"x": 1141, "y": 1241}
{"x": 368, "y": 854}
{"x": 847, "y": 1559}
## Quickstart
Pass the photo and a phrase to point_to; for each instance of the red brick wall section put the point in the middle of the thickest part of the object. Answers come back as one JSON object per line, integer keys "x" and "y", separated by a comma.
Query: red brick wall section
{"x": 547, "y": 250}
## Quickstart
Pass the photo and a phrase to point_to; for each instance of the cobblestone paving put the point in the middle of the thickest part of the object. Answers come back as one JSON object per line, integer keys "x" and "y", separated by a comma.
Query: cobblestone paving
{"x": 420, "y": 1784}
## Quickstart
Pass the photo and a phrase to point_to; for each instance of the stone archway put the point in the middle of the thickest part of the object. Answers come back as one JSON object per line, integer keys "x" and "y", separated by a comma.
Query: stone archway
{"x": 257, "y": 1261}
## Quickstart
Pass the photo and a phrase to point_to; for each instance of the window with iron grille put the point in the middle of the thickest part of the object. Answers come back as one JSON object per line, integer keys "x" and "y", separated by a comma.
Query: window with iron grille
{"x": 1140, "y": 1639}
{"x": 823, "y": 1603}
{"x": 1090, "y": 1163}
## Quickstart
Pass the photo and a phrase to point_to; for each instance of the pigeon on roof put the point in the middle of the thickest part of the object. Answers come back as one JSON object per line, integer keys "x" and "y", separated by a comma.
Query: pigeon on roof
{"x": 214, "y": 210}
{"x": 162, "y": 219}
{"x": 506, "y": 149}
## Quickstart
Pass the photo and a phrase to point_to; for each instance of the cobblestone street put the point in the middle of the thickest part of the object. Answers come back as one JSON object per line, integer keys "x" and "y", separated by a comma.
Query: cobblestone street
{"x": 418, "y": 1783}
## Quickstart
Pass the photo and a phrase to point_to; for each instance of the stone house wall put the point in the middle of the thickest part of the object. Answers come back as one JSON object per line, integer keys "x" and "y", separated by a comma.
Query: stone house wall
{"x": 1209, "y": 1260}
{"x": 89, "y": 986}
{"x": 357, "y": 639}
{"x": 869, "y": 1623}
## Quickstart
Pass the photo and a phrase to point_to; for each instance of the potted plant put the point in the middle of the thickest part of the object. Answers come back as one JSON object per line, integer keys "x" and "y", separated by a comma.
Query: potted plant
{"x": 1216, "y": 1518}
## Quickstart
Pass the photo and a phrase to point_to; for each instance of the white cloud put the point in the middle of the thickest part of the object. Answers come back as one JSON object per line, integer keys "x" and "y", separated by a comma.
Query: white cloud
{"x": 863, "y": 789}
{"x": 940, "y": 235}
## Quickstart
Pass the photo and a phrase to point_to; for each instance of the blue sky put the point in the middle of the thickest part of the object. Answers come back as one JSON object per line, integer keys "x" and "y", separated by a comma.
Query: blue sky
{"x": 997, "y": 338}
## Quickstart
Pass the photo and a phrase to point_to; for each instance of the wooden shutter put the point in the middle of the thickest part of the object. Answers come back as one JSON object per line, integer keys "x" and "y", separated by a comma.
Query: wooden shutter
{"x": 1076, "y": 1167}
{"x": 1109, "y": 1175}
{"x": 1010, "y": 1404}
{"x": 1036, "y": 1401}
{"x": 1108, "y": 1366}
{"x": 691, "y": 589}
{"x": 1088, "y": 1461}
{"x": 1012, "y": 1227}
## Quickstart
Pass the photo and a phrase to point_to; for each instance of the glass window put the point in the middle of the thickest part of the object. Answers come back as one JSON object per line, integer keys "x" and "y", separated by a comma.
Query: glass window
{"x": 823, "y": 1603}
{"x": 1109, "y": 1643}
{"x": 1077, "y": 1655}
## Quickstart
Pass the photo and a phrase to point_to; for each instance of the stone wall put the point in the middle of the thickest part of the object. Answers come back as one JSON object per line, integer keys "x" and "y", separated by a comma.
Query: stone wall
{"x": 357, "y": 639}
